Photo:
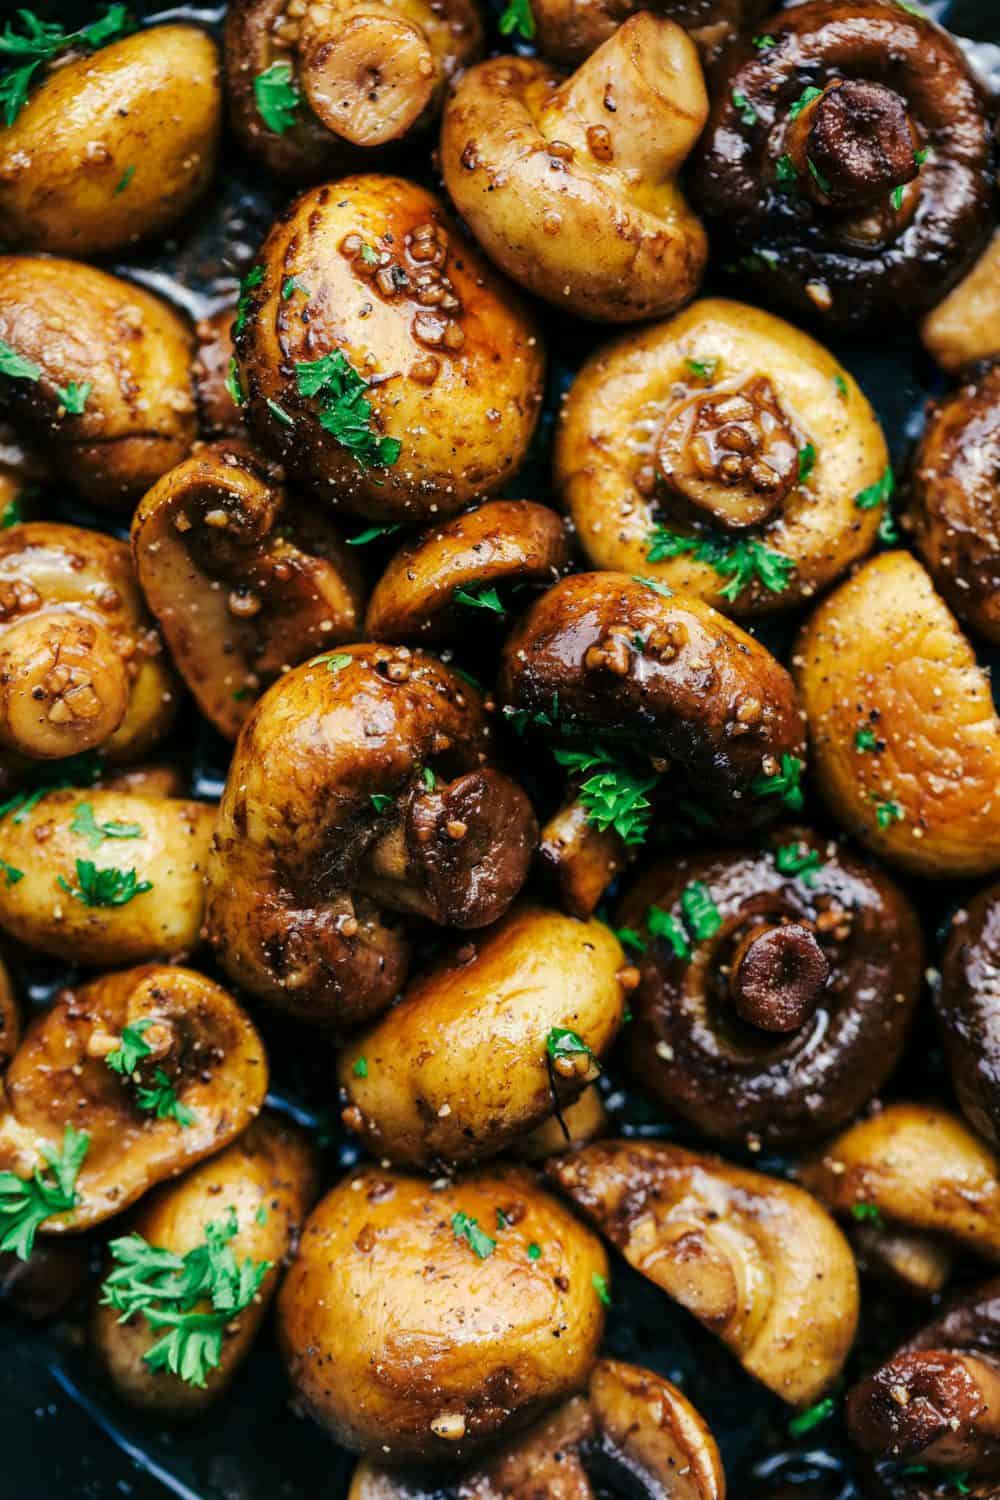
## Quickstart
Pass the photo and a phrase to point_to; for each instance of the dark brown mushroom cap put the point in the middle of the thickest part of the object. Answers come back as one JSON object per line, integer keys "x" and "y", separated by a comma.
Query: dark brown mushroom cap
{"x": 968, "y": 1008}
{"x": 691, "y": 1049}
{"x": 956, "y": 499}
{"x": 793, "y": 236}
{"x": 504, "y": 542}
{"x": 567, "y": 31}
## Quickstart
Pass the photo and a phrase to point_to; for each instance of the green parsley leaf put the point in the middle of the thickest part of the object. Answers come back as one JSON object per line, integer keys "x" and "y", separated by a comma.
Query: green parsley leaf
{"x": 867, "y": 1213}
{"x": 798, "y": 859}
{"x": 701, "y": 914}
{"x": 748, "y": 115}
{"x": 360, "y": 1069}
{"x": 279, "y": 412}
{"x": 380, "y": 801}
{"x": 806, "y": 97}
{"x": 252, "y": 279}
{"x": 739, "y": 563}
{"x": 763, "y": 43}
{"x": 73, "y": 399}
{"x": 233, "y": 381}
{"x": 921, "y": 156}
{"x": 704, "y": 368}
{"x": 600, "y": 1285}
{"x": 369, "y": 255}
{"x": 653, "y": 584}
{"x": 485, "y": 599}
{"x": 25, "y": 1203}
{"x": 841, "y": 384}
{"x": 563, "y": 1043}
{"x": 277, "y": 96}
{"x": 785, "y": 171}
{"x": 11, "y": 873}
{"x": 887, "y": 813}
{"x": 896, "y": 198}
{"x": 784, "y": 783}
{"x": 108, "y": 887}
{"x": 290, "y": 286}
{"x": 888, "y": 532}
{"x": 429, "y": 779}
{"x": 865, "y": 740}
{"x": 817, "y": 175}
{"x": 661, "y": 924}
{"x": 534, "y": 1252}
{"x": 161, "y": 1100}
{"x": 131, "y": 1048}
{"x": 464, "y": 1228}
{"x": 807, "y": 461}
{"x": 343, "y": 410}
{"x": 372, "y": 533}
{"x": 337, "y": 662}
{"x": 261, "y": 1216}
{"x": 879, "y": 493}
{"x": 958, "y": 1480}
{"x": 629, "y": 938}
{"x": 517, "y": 19}
{"x": 15, "y": 366}
{"x": 614, "y": 796}
{"x": 520, "y": 718}
{"x": 13, "y": 513}
{"x": 87, "y": 827}
{"x": 812, "y": 1417}
{"x": 123, "y": 181}
{"x": 39, "y": 42}
{"x": 914, "y": 10}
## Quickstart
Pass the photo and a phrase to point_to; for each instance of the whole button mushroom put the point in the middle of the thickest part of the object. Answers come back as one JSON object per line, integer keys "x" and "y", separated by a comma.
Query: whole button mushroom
{"x": 360, "y": 782}
{"x": 966, "y": 325}
{"x": 646, "y": 690}
{"x": 131, "y": 1080}
{"x": 112, "y": 147}
{"x": 420, "y": 1322}
{"x": 904, "y": 736}
{"x": 244, "y": 581}
{"x": 723, "y": 452}
{"x": 381, "y": 359}
{"x": 756, "y": 1260}
{"x": 777, "y": 987}
{"x": 848, "y": 161}
{"x": 571, "y": 184}
{"x": 488, "y": 1043}
{"x": 98, "y": 373}
{"x": 314, "y": 92}
{"x": 432, "y": 583}
{"x": 567, "y": 31}
{"x": 967, "y": 1001}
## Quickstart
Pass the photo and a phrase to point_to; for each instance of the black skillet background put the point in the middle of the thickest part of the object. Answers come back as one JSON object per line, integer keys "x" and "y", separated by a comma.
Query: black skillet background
{"x": 62, "y": 1435}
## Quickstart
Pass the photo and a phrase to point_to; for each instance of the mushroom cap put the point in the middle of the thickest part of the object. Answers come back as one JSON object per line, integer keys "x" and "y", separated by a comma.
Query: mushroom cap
{"x": 968, "y": 1016}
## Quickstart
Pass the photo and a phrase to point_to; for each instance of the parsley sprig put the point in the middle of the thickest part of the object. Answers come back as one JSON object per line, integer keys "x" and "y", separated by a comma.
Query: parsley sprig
{"x": 613, "y": 794}
{"x": 798, "y": 859}
{"x": 25, "y": 1203}
{"x": 739, "y": 563}
{"x": 278, "y": 97}
{"x": 160, "y": 1099}
{"x": 38, "y": 42}
{"x": 484, "y": 599}
{"x": 464, "y": 1228}
{"x": 86, "y": 825}
{"x": 700, "y": 919}
{"x": 72, "y": 397}
{"x": 131, "y": 1048}
{"x": 518, "y": 19}
{"x": 107, "y": 887}
{"x": 344, "y": 411}
{"x": 784, "y": 783}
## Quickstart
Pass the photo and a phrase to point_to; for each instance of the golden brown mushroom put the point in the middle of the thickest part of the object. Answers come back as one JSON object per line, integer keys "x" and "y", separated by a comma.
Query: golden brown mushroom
{"x": 419, "y": 1321}
{"x": 198, "y": 1080}
{"x": 382, "y": 360}
{"x": 968, "y": 1017}
{"x": 755, "y": 1259}
{"x": 567, "y": 31}
{"x": 905, "y": 739}
{"x": 583, "y": 1120}
{"x": 218, "y": 414}
{"x": 102, "y": 379}
{"x": 571, "y": 184}
{"x": 488, "y": 1043}
{"x": 243, "y": 581}
{"x": 112, "y": 147}
{"x": 724, "y": 452}
{"x": 269, "y": 1179}
{"x": 966, "y": 325}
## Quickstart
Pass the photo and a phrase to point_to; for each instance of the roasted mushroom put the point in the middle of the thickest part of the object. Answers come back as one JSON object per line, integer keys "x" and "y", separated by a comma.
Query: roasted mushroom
{"x": 383, "y": 361}
{"x": 430, "y": 586}
{"x": 848, "y": 160}
{"x": 419, "y": 1322}
{"x": 724, "y": 452}
{"x": 244, "y": 581}
{"x": 646, "y": 690}
{"x": 905, "y": 739}
{"x": 777, "y": 987}
{"x": 966, "y": 325}
{"x": 99, "y": 375}
{"x": 967, "y": 1001}
{"x": 218, "y": 414}
{"x": 10, "y": 1020}
{"x": 489, "y": 1043}
{"x": 359, "y": 782}
{"x": 112, "y": 147}
{"x": 313, "y": 89}
{"x": 571, "y": 184}
{"x": 567, "y": 31}
{"x": 150, "y": 1070}
{"x": 583, "y": 1120}
{"x": 103, "y": 877}
{"x": 257, "y": 1192}
{"x": 633, "y": 1434}
{"x": 755, "y": 1259}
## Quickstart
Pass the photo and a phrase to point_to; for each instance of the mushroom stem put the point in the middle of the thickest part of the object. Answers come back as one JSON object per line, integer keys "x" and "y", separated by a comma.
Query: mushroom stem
{"x": 368, "y": 73}
{"x": 932, "y": 1405}
{"x": 580, "y": 860}
{"x": 777, "y": 977}
{"x": 852, "y": 144}
{"x": 65, "y": 687}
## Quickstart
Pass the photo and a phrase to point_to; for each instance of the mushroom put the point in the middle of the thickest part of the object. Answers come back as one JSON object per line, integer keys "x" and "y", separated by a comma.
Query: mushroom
{"x": 43, "y": 1287}
{"x": 571, "y": 184}
{"x": 420, "y": 1322}
{"x": 955, "y": 508}
{"x": 80, "y": 664}
{"x": 646, "y": 688}
{"x": 10, "y": 1019}
{"x": 917, "y": 1168}
{"x": 382, "y": 361}
{"x": 243, "y": 581}
{"x": 777, "y": 987}
{"x": 488, "y": 1043}
{"x": 967, "y": 1001}
{"x": 966, "y": 325}
{"x": 99, "y": 876}
{"x": 567, "y": 31}
{"x": 578, "y": 1122}
{"x": 218, "y": 414}
{"x": 22, "y": 470}
{"x": 360, "y": 781}
{"x": 112, "y": 147}
{"x": 633, "y": 1434}
{"x": 268, "y": 1178}
{"x": 725, "y": 453}
{"x": 311, "y": 92}
{"x": 756, "y": 1260}
{"x": 198, "y": 1078}
{"x": 432, "y": 585}
{"x": 903, "y": 731}
{"x": 99, "y": 376}
{"x": 848, "y": 161}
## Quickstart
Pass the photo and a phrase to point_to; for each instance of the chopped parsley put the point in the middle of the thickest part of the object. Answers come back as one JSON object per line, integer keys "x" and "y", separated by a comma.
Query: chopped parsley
{"x": 841, "y": 385}
{"x": 807, "y": 461}
{"x": 561, "y": 1043}
{"x": 337, "y": 662}
{"x": 534, "y": 1251}
{"x": 277, "y": 96}
{"x": 739, "y": 563}
{"x": 805, "y": 98}
{"x": 785, "y": 783}
{"x": 372, "y": 533}
{"x": 108, "y": 887}
{"x": 279, "y": 412}
{"x": 428, "y": 778}
{"x": 887, "y": 813}
{"x": 252, "y": 279}
{"x": 40, "y": 41}
{"x": 765, "y": 42}
{"x": 233, "y": 381}
{"x": 161, "y": 1100}
{"x": 865, "y": 740}
{"x": 72, "y": 398}
{"x": 896, "y": 198}
{"x": 629, "y": 938}
{"x": 921, "y": 156}
{"x": 87, "y": 827}
{"x": 360, "y": 1068}
{"x": 380, "y": 801}
{"x": 748, "y": 115}
{"x": 705, "y": 369}
{"x": 25, "y": 1203}
{"x": 344, "y": 411}
{"x": 123, "y": 181}
{"x": 879, "y": 493}
{"x": 867, "y": 1213}
{"x": 785, "y": 171}
{"x": 520, "y": 718}
{"x": 485, "y": 599}
{"x": 654, "y": 585}
{"x": 600, "y": 1285}
{"x": 11, "y": 873}
{"x": 701, "y": 914}
{"x": 817, "y": 176}
{"x": 131, "y": 1048}
{"x": 661, "y": 924}
{"x": 290, "y": 285}
{"x": 13, "y": 511}
{"x": 798, "y": 859}
{"x": 613, "y": 794}
{"x": 261, "y": 1216}
{"x": 888, "y": 532}
{"x": 464, "y": 1228}
{"x": 517, "y": 19}
{"x": 806, "y": 1420}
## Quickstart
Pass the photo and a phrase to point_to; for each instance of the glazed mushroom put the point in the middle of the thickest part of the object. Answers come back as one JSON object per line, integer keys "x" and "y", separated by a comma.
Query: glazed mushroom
{"x": 481, "y": 561}
{"x": 489, "y": 1043}
{"x": 99, "y": 375}
{"x": 848, "y": 161}
{"x": 571, "y": 184}
{"x": 244, "y": 581}
{"x": 966, "y": 326}
{"x": 80, "y": 664}
{"x": 725, "y": 453}
{"x": 778, "y": 987}
{"x": 102, "y": 877}
{"x": 218, "y": 414}
{"x": 156, "y": 1067}
{"x": 10, "y": 1019}
{"x": 955, "y": 509}
{"x": 632, "y": 1434}
{"x": 756, "y": 1260}
{"x": 381, "y": 359}
{"x": 567, "y": 31}
{"x": 112, "y": 147}
{"x": 903, "y": 731}
{"x": 647, "y": 690}
{"x": 312, "y": 91}
{"x": 967, "y": 1001}
{"x": 360, "y": 782}
{"x": 267, "y": 1180}
{"x": 415, "y": 1325}
{"x": 585, "y": 1119}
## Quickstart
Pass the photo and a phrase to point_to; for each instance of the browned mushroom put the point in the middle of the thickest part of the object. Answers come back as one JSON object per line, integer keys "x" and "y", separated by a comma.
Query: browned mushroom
{"x": 218, "y": 414}
{"x": 966, "y": 325}
{"x": 10, "y": 1019}
{"x": 567, "y": 31}
{"x": 968, "y": 1008}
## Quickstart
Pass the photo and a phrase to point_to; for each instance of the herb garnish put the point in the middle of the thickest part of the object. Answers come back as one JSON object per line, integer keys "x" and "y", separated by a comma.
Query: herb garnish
{"x": 233, "y": 381}
{"x": 464, "y": 1228}
{"x": 748, "y": 115}
{"x": 867, "y": 1213}
{"x": 123, "y": 181}
{"x": 161, "y": 1100}
{"x": 344, "y": 411}
{"x": 39, "y": 42}
{"x": 806, "y": 97}
{"x": 865, "y": 740}
{"x": 252, "y": 279}
{"x": 701, "y": 914}
{"x": 562, "y": 1044}
{"x": 661, "y": 924}
{"x": 812, "y": 1417}
{"x": 131, "y": 1048}
{"x": 807, "y": 461}
{"x": 25, "y": 1203}
{"x": 798, "y": 859}
{"x": 277, "y": 96}
{"x": 879, "y": 493}
{"x": 600, "y": 1285}
{"x": 614, "y": 796}
{"x": 784, "y": 783}
{"x": 72, "y": 398}
{"x": 705, "y": 369}
{"x": 485, "y": 599}
{"x": 371, "y": 533}
{"x": 785, "y": 171}
{"x": 739, "y": 563}
{"x": 887, "y": 812}
{"x": 108, "y": 887}
{"x": 517, "y": 17}
{"x": 87, "y": 827}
